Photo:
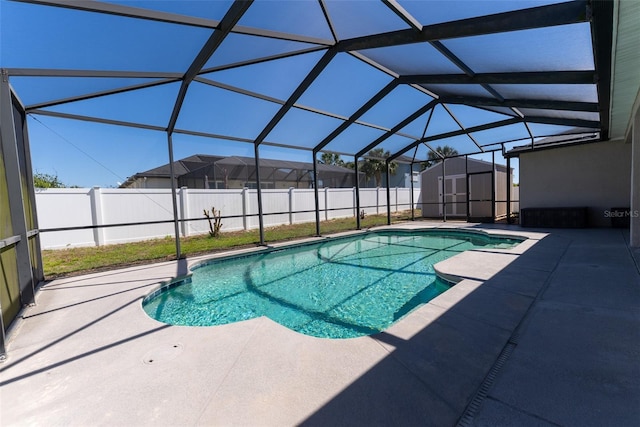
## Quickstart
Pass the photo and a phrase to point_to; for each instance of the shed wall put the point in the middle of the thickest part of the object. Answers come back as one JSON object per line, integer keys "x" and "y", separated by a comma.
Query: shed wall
{"x": 431, "y": 200}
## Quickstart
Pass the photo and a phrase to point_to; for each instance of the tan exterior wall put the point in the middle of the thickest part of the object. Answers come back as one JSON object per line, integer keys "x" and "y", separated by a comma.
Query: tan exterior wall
{"x": 151, "y": 183}
{"x": 596, "y": 175}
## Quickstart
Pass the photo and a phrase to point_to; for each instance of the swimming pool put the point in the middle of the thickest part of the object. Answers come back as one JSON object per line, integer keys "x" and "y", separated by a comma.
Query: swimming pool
{"x": 336, "y": 288}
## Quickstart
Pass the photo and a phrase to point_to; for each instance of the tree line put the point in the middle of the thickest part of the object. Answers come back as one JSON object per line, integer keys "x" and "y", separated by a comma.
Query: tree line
{"x": 374, "y": 164}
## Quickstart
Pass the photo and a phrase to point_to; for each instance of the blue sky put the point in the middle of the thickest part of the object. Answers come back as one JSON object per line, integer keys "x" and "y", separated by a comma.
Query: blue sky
{"x": 89, "y": 154}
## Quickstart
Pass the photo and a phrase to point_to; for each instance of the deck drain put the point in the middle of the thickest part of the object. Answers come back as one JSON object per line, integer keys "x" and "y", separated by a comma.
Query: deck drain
{"x": 472, "y": 410}
{"x": 163, "y": 353}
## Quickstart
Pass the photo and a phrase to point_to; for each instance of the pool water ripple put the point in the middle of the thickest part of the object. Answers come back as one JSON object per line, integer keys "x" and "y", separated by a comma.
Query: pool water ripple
{"x": 339, "y": 288}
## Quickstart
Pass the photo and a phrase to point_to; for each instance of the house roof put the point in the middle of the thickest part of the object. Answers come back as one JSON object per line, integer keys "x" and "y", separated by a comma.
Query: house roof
{"x": 477, "y": 76}
{"x": 199, "y": 161}
{"x": 570, "y": 137}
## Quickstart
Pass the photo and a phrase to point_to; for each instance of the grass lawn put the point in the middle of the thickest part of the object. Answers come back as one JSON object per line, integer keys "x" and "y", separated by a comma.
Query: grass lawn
{"x": 65, "y": 262}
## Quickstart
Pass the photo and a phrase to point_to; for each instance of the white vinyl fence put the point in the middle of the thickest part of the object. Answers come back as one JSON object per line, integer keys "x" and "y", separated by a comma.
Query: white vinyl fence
{"x": 84, "y": 207}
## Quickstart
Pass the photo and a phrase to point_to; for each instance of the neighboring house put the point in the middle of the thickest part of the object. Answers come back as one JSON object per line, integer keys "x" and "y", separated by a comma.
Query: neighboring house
{"x": 399, "y": 179}
{"x": 478, "y": 175}
{"x": 204, "y": 171}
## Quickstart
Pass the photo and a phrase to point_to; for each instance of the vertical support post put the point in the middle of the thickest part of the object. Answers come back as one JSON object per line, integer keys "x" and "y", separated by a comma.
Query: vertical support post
{"x": 326, "y": 203}
{"x": 96, "y": 215}
{"x": 3, "y": 338}
{"x": 493, "y": 186}
{"x": 386, "y": 173}
{"x": 466, "y": 173}
{"x": 315, "y": 192}
{"x": 245, "y": 208}
{"x": 634, "y": 228}
{"x": 509, "y": 187}
{"x": 444, "y": 203}
{"x": 176, "y": 223}
{"x": 413, "y": 214}
{"x": 259, "y": 190}
{"x": 37, "y": 271}
{"x": 184, "y": 209}
{"x": 354, "y": 212}
{"x": 355, "y": 164}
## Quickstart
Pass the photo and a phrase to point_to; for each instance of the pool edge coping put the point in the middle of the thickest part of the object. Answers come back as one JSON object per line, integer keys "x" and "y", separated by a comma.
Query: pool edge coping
{"x": 451, "y": 277}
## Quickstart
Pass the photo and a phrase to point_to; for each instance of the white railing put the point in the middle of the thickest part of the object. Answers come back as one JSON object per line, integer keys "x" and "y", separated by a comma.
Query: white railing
{"x": 90, "y": 207}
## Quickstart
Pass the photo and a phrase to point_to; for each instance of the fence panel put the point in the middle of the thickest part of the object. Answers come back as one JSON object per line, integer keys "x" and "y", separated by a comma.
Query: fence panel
{"x": 228, "y": 202}
{"x": 404, "y": 198}
{"x": 251, "y": 209}
{"x": 129, "y": 206}
{"x": 304, "y": 200}
{"x": 369, "y": 200}
{"x": 70, "y": 207}
{"x": 340, "y": 202}
{"x": 274, "y": 202}
{"x": 64, "y": 207}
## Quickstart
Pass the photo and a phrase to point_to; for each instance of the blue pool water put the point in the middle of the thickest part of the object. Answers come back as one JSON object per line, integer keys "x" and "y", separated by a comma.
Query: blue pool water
{"x": 338, "y": 288}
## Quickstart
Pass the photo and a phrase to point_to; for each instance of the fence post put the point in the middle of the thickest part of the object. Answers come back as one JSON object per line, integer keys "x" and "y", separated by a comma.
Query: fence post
{"x": 326, "y": 203}
{"x": 291, "y": 204}
{"x": 355, "y": 207}
{"x": 396, "y": 199}
{"x": 245, "y": 208}
{"x": 377, "y": 200}
{"x": 184, "y": 210}
{"x": 96, "y": 215}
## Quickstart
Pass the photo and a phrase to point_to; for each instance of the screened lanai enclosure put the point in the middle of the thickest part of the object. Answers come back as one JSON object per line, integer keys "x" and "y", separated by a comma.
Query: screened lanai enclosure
{"x": 240, "y": 172}
{"x": 286, "y": 80}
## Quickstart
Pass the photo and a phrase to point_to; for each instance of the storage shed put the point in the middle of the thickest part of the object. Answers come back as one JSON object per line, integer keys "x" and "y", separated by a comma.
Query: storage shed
{"x": 486, "y": 199}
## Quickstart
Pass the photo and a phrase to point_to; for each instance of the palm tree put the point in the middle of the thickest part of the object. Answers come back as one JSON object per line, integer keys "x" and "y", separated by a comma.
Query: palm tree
{"x": 331, "y": 159}
{"x": 433, "y": 157}
{"x": 374, "y": 166}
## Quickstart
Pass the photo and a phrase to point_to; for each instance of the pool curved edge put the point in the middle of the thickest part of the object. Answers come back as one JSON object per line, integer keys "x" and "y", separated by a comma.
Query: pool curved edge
{"x": 452, "y": 276}
{"x": 343, "y": 235}
{"x": 479, "y": 265}
{"x": 165, "y": 286}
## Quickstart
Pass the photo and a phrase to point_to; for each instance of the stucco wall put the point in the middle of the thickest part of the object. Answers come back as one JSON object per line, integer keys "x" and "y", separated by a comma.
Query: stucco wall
{"x": 596, "y": 175}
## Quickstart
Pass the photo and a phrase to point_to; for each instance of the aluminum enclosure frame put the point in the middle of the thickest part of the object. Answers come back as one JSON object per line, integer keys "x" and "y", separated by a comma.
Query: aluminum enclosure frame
{"x": 599, "y": 14}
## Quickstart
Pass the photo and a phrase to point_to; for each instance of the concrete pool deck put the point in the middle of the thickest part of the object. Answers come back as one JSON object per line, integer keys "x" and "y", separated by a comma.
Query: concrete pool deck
{"x": 547, "y": 333}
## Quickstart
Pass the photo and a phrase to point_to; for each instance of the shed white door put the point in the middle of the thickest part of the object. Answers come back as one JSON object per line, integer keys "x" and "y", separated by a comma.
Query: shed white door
{"x": 455, "y": 195}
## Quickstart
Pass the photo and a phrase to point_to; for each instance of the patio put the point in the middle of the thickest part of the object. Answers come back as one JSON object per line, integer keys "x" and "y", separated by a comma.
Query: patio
{"x": 543, "y": 334}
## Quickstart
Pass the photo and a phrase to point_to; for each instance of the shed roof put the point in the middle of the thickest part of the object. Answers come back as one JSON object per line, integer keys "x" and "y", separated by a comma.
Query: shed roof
{"x": 488, "y": 165}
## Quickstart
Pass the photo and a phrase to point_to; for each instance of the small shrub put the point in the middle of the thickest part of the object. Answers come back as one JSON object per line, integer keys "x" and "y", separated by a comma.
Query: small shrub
{"x": 215, "y": 221}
